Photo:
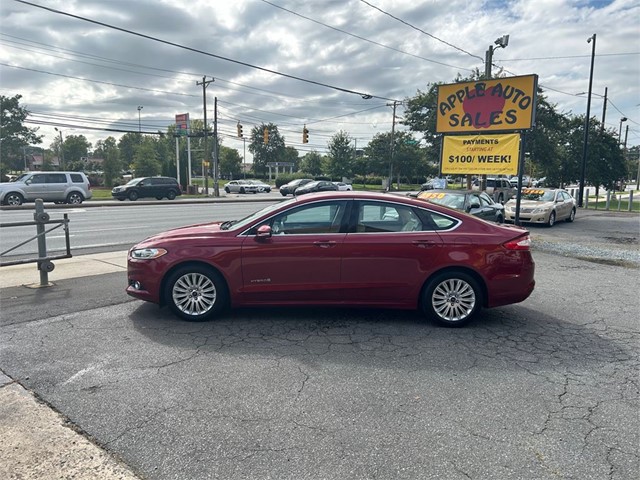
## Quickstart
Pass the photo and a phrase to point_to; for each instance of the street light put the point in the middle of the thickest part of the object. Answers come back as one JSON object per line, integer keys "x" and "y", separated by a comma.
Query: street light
{"x": 139, "y": 125}
{"x": 585, "y": 143}
{"x": 61, "y": 152}
{"x": 623, "y": 119}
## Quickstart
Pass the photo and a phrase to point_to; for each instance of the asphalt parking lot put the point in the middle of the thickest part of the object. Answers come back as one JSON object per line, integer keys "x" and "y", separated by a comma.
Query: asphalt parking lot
{"x": 544, "y": 389}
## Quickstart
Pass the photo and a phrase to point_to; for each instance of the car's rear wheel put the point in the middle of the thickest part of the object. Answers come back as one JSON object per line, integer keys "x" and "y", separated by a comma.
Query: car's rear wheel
{"x": 133, "y": 196}
{"x": 196, "y": 293}
{"x": 552, "y": 219}
{"x": 75, "y": 198}
{"x": 500, "y": 198}
{"x": 452, "y": 299}
{"x": 572, "y": 215}
{"x": 171, "y": 195}
{"x": 13, "y": 199}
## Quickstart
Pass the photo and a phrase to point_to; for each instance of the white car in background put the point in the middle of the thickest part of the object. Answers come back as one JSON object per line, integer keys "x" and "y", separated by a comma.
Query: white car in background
{"x": 343, "y": 186}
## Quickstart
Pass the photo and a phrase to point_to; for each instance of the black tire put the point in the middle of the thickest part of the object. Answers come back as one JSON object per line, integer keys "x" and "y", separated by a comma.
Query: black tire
{"x": 452, "y": 299}
{"x": 171, "y": 195}
{"x": 284, "y": 194}
{"x": 13, "y": 198}
{"x": 500, "y": 198}
{"x": 133, "y": 195}
{"x": 159, "y": 197}
{"x": 75, "y": 198}
{"x": 242, "y": 190}
{"x": 572, "y": 216}
{"x": 500, "y": 219}
{"x": 552, "y": 219}
{"x": 121, "y": 199}
{"x": 196, "y": 293}
{"x": 227, "y": 189}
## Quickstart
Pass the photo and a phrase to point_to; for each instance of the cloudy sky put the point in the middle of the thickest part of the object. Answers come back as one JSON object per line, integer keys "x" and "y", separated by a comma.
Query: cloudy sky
{"x": 85, "y": 66}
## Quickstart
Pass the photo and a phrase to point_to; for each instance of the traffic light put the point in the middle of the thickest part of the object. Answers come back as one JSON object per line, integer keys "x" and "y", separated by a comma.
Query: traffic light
{"x": 305, "y": 135}
{"x": 265, "y": 135}
{"x": 239, "y": 130}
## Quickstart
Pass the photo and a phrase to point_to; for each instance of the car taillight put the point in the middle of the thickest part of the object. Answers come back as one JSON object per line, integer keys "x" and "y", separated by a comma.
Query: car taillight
{"x": 520, "y": 243}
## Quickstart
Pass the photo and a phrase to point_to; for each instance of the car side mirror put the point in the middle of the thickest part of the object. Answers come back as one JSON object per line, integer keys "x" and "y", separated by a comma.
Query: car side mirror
{"x": 474, "y": 205}
{"x": 264, "y": 231}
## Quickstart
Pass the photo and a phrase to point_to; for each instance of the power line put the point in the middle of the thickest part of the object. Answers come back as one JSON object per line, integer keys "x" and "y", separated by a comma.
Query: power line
{"x": 365, "y": 39}
{"x": 365, "y": 96}
{"x": 422, "y": 31}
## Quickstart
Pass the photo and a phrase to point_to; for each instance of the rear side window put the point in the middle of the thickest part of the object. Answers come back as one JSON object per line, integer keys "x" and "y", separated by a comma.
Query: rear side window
{"x": 76, "y": 178}
{"x": 56, "y": 178}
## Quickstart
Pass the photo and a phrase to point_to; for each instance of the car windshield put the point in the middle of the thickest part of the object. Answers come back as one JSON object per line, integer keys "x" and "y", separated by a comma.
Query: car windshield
{"x": 134, "y": 181}
{"x": 19, "y": 178}
{"x": 250, "y": 218}
{"x": 451, "y": 200}
{"x": 538, "y": 195}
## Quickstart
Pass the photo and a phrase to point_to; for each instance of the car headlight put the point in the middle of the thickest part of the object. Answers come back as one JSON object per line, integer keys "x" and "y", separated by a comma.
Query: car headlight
{"x": 539, "y": 210}
{"x": 147, "y": 253}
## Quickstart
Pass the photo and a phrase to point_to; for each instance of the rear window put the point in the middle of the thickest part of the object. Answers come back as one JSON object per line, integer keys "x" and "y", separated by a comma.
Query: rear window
{"x": 77, "y": 178}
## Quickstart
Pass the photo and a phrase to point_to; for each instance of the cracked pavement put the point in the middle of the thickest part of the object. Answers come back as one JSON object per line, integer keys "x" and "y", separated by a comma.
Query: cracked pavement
{"x": 546, "y": 389}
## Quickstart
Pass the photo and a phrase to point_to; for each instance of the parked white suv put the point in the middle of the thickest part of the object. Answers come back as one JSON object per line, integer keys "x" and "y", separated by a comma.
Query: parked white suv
{"x": 499, "y": 188}
{"x": 58, "y": 187}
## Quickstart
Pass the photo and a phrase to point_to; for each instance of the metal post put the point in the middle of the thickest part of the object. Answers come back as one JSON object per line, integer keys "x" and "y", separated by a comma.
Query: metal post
{"x": 43, "y": 266}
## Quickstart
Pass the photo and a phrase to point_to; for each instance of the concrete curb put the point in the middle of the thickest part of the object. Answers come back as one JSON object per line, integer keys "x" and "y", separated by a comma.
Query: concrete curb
{"x": 39, "y": 443}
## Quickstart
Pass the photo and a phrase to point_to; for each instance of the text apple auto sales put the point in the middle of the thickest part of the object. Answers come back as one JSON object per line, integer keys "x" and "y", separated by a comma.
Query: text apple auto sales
{"x": 504, "y": 104}
{"x": 516, "y": 98}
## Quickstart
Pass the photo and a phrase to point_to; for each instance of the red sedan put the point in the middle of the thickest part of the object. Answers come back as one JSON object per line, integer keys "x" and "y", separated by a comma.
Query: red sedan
{"x": 337, "y": 248}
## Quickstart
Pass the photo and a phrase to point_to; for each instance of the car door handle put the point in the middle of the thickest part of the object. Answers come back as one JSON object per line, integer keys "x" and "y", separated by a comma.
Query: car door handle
{"x": 324, "y": 244}
{"x": 424, "y": 243}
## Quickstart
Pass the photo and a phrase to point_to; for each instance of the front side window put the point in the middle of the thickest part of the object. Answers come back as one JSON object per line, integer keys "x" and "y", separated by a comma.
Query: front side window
{"x": 325, "y": 217}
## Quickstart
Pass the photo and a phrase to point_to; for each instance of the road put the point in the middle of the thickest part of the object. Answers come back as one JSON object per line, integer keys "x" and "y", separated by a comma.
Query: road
{"x": 117, "y": 227}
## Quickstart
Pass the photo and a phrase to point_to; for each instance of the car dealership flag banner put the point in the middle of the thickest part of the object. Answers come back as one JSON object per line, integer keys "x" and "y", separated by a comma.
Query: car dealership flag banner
{"x": 480, "y": 154}
{"x": 502, "y": 104}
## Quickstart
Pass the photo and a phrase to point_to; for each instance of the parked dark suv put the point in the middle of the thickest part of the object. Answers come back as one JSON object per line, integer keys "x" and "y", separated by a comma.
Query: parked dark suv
{"x": 148, "y": 187}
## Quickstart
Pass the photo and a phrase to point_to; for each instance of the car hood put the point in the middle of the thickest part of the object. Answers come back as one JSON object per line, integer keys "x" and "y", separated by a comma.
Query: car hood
{"x": 189, "y": 231}
{"x": 11, "y": 184}
{"x": 531, "y": 204}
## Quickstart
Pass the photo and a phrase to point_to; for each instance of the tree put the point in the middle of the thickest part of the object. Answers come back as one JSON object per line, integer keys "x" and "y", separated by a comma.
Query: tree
{"x": 74, "y": 149}
{"x": 145, "y": 161}
{"x": 264, "y": 153}
{"x": 126, "y": 146}
{"x": 311, "y": 163}
{"x": 408, "y": 158}
{"x": 13, "y": 134}
{"x": 230, "y": 162}
{"x": 111, "y": 165}
{"x": 291, "y": 156}
{"x": 340, "y": 156}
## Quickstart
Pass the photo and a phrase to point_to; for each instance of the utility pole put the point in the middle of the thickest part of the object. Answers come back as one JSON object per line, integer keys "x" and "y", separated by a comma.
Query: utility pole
{"x": 216, "y": 173}
{"x": 204, "y": 84}
{"x": 393, "y": 130}
{"x": 604, "y": 109}
{"x": 585, "y": 144}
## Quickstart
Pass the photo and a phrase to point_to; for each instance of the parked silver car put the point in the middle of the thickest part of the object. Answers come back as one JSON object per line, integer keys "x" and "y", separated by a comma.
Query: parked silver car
{"x": 246, "y": 186}
{"x": 58, "y": 187}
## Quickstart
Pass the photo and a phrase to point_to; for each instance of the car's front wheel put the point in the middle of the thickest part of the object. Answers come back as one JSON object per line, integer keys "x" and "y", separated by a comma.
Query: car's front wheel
{"x": 572, "y": 215}
{"x": 196, "y": 293}
{"x": 452, "y": 299}
{"x": 552, "y": 219}
{"x": 75, "y": 198}
{"x": 226, "y": 189}
{"x": 242, "y": 190}
{"x": 133, "y": 195}
{"x": 13, "y": 199}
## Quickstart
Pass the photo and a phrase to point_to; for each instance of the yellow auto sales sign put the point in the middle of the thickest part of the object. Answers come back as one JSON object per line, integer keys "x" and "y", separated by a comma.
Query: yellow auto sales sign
{"x": 480, "y": 154}
{"x": 502, "y": 104}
